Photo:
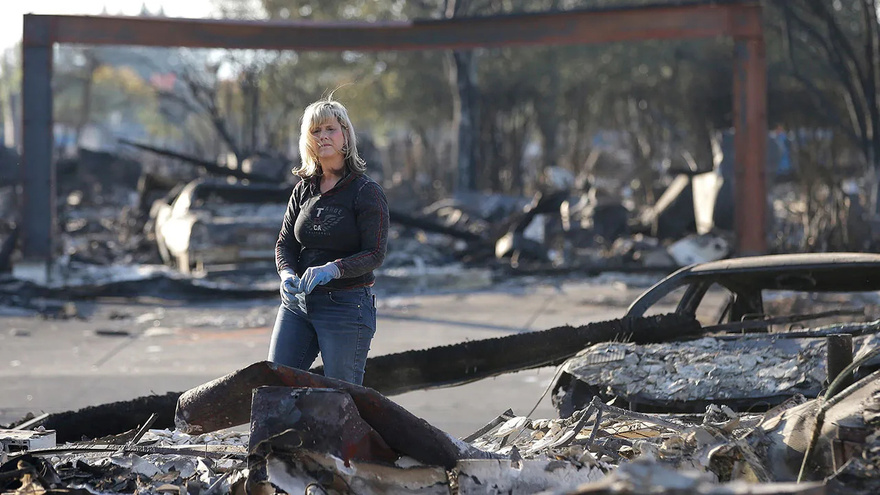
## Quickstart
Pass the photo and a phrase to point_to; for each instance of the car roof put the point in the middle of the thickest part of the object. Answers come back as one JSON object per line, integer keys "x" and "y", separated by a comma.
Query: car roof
{"x": 834, "y": 272}
{"x": 814, "y": 272}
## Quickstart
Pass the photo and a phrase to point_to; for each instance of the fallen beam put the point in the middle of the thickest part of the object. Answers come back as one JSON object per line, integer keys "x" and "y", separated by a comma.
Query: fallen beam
{"x": 456, "y": 364}
{"x": 430, "y": 225}
{"x": 392, "y": 374}
{"x": 210, "y": 167}
{"x": 109, "y": 419}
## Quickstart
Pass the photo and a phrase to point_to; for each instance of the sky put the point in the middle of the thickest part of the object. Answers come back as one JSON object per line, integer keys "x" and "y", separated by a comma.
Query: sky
{"x": 11, "y": 11}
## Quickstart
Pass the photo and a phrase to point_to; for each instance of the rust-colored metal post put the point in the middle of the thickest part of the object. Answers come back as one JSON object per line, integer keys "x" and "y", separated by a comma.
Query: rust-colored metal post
{"x": 750, "y": 143}
{"x": 37, "y": 168}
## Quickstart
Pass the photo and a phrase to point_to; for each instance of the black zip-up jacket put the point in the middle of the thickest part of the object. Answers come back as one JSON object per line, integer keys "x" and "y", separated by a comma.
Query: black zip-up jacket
{"x": 348, "y": 224}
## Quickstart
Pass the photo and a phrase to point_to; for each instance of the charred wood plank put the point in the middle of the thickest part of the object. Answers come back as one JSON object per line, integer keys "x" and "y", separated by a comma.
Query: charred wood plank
{"x": 6, "y": 249}
{"x": 110, "y": 419}
{"x": 465, "y": 362}
{"x": 397, "y": 373}
{"x": 208, "y": 166}
{"x": 426, "y": 224}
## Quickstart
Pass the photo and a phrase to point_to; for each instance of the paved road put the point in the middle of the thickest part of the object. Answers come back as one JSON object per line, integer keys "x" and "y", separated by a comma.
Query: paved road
{"x": 120, "y": 350}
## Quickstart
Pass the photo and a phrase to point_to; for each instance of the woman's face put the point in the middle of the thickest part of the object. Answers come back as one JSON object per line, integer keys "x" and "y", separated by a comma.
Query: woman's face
{"x": 329, "y": 141}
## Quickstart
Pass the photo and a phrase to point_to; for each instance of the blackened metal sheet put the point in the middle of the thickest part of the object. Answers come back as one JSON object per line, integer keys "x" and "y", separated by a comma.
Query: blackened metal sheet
{"x": 226, "y": 402}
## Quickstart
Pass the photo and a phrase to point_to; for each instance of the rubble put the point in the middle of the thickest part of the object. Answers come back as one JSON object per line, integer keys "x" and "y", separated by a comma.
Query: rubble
{"x": 292, "y": 448}
{"x": 197, "y": 411}
{"x": 699, "y": 249}
{"x": 313, "y": 434}
{"x": 707, "y": 370}
{"x": 162, "y": 461}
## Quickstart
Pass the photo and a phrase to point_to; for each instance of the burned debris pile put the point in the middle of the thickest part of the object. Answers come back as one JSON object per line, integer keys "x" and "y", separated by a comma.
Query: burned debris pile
{"x": 664, "y": 407}
{"x": 186, "y": 212}
{"x": 158, "y": 462}
{"x": 128, "y": 212}
{"x": 689, "y": 376}
{"x": 350, "y": 440}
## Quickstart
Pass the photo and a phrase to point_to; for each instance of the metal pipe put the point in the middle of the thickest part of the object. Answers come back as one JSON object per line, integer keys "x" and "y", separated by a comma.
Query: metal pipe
{"x": 839, "y": 356}
{"x": 750, "y": 142}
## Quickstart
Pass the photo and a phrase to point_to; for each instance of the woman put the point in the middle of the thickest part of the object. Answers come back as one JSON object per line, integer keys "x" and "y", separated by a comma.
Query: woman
{"x": 335, "y": 233}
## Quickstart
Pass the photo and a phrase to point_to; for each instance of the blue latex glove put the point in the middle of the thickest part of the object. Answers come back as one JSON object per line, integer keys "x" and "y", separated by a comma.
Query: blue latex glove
{"x": 318, "y": 275}
{"x": 289, "y": 283}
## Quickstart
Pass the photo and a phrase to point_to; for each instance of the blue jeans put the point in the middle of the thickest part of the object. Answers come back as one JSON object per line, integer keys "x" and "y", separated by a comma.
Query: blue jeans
{"x": 339, "y": 323}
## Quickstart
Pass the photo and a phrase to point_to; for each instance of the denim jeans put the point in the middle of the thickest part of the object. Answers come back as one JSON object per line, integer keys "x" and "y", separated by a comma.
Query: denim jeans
{"x": 338, "y": 323}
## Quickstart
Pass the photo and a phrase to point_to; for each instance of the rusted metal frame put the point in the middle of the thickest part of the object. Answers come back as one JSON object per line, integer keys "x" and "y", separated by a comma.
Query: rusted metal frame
{"x": 742, "y": 21}
{"x": 573, "y": 27}
{"x": 37, "y": 167}
{"x": 777, "y": 320}
{"x": 750, "y": 141}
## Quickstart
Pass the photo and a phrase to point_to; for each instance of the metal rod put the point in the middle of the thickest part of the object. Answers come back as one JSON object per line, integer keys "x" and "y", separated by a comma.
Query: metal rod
{"x": 140, "y": 433}
{"x": 838, "y": 357}
{"x": 745, "y": 325}
{"x": 505, "y": 416}
{"x": 27, "y": 425}
{"x": 674, "y": 426}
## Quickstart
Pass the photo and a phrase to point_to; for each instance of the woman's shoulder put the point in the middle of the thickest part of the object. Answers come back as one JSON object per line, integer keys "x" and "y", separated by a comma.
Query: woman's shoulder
{"x": 364, "y": 180}
{"x": 369, "y": 191}
{"x": 303, "y": 184}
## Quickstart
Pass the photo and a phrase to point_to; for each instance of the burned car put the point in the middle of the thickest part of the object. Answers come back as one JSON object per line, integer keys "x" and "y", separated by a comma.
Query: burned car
{"x": 764, "y": 322}
{"x": 212, "y": 222}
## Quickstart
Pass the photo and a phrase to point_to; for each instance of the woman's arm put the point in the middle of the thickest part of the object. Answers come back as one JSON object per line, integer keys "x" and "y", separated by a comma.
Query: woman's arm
{"x": 371, "y": 214}
{"x": 287, "y": 248}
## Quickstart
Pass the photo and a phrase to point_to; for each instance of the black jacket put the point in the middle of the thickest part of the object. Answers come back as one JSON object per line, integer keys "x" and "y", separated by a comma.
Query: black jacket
{"x": 348, "y": 224}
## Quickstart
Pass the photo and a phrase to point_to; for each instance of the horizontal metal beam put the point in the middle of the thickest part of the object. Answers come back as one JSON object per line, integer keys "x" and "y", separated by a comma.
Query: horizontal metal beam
{"x": 578, "y": 27}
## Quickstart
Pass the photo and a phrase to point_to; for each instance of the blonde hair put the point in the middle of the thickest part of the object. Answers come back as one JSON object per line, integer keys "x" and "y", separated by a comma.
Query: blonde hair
{"x": 317, "y": 114}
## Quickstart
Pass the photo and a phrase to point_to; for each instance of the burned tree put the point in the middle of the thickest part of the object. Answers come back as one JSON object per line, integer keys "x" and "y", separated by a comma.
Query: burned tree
{"x": 840, "y": 39}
